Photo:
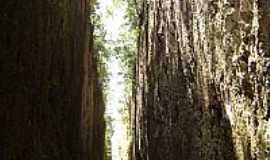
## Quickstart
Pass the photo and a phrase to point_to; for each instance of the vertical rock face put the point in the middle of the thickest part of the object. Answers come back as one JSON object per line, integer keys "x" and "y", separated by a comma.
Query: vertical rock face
{"x": 50, "y": 102}
{"x": 202, "y": 86}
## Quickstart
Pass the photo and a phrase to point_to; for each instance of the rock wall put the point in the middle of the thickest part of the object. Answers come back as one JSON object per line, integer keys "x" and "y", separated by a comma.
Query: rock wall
{"x": 50, "y": 99}
{"x": 203, "y": 80}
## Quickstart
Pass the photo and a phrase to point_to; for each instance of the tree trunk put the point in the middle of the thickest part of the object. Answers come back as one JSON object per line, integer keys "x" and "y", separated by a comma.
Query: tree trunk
{"x": 202, "y": 80}
{"x": 48, "y": 82}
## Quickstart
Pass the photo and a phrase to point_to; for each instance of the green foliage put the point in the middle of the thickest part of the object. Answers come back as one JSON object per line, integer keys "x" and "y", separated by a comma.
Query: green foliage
{"x": 133, "y": 12}
{"x": 126, "y": 52}
{"x": 102, "y": 51}
{"x": 109, "y": 133}
{"x": 126, "y": 45}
